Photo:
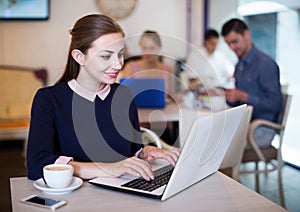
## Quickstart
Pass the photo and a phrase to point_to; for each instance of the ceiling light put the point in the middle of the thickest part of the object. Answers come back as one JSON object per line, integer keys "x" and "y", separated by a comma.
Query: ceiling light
{"x": 260, "y": 7}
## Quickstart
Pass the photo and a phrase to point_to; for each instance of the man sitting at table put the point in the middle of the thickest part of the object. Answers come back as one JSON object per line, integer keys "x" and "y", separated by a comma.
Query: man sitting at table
{"x": 257, "y": 79}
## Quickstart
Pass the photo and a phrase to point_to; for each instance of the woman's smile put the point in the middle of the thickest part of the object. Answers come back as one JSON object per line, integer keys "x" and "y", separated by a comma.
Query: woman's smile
{"x": 112, "y": 75}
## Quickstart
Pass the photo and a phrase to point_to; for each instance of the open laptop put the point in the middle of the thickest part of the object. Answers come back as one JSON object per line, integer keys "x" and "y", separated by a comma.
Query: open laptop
{"x": 201, "y": 156}
{"x": 148, "y": 92}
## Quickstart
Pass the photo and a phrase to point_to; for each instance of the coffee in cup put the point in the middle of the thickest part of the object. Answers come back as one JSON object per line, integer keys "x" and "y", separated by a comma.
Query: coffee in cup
{"x": 58, "y": 175}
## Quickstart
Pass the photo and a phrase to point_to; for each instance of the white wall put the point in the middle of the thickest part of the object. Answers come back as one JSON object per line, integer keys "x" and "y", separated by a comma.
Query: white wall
{"x": 219, "y": 13}
{"x": 197, "y": 20}
{"x": 45, "y": 43}
{"x": 165, "y": 17}
{"x": 288, "y": 51}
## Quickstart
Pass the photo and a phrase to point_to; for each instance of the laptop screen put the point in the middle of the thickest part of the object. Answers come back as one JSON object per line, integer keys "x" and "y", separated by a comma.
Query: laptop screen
{"x": 148, "y": 92}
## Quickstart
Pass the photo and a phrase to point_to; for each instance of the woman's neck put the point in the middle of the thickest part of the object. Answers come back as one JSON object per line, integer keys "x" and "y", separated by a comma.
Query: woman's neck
{"x": 85, "y": 81}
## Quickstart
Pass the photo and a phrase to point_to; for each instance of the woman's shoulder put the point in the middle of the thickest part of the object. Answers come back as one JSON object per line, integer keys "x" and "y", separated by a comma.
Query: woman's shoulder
{"x": 166, "y": 67}
{"x": 132, "y": 65}
{"x": 56, "y": 89}
{"x": 133, "y": 60}
{"x": 53, "y": 94}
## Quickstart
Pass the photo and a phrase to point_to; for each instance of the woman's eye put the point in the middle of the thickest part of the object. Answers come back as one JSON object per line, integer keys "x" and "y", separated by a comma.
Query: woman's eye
{"x": 121, "y": 55}
{"x": 105, "y": 57}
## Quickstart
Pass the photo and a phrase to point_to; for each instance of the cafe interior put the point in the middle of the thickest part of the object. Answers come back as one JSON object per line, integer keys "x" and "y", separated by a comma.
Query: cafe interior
{"x": 33, "y": 51}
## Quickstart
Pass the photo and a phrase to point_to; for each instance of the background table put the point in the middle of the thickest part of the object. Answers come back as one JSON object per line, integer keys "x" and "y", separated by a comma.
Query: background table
{"x": 167, "y": 114}
{"x": 180, "y": 118}
{"x": 215, "y": 193}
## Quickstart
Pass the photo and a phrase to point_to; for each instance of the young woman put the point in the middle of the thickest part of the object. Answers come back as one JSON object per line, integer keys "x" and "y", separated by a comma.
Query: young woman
{"x": 86, "y": 119}
{"x": 150, "y": 64}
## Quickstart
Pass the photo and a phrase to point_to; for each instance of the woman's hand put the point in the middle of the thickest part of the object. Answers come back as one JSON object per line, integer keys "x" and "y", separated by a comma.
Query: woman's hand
{"x": 133, "y": 166}
{"x": 150, "y": 153}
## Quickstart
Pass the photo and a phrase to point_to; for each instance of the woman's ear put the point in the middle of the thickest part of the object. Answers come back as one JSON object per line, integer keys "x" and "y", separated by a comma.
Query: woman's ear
{"x": 78, "y": 56}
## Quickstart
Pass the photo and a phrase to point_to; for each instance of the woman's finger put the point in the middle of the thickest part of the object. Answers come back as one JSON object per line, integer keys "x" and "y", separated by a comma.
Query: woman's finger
{"x": 139, "y": 167}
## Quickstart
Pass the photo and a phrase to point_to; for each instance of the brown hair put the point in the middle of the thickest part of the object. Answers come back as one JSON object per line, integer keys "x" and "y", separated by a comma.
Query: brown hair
{"x": 85, "y": 31}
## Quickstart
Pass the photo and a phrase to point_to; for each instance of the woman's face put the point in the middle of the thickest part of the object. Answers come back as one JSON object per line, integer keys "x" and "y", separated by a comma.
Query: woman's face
{"x": 103, "y": 60}
{"x": 150, "y": 49}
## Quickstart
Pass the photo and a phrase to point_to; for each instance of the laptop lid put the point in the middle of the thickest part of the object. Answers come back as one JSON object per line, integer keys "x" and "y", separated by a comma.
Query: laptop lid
{"x": 204, "y": 148}
{"x": 201, "y": 155}
{"x": 148, "y": 92}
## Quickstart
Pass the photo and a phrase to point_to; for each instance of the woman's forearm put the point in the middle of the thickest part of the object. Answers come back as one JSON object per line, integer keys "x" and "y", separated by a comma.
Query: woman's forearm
{"x": 89, "y": 170}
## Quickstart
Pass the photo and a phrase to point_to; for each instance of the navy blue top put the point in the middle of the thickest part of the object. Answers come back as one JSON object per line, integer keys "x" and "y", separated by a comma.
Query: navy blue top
{"x": 258, "y": 75}
{"x": 66, "y": 124}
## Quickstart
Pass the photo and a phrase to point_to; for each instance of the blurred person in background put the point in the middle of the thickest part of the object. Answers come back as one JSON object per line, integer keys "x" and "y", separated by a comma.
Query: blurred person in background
{"x": 150, "y": 64}
{"x": 257, "y": 79}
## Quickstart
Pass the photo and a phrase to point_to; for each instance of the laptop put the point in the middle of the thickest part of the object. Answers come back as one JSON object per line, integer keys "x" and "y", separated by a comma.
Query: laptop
{"x": 148, "y": 92}
{"x": 201, "y": 156}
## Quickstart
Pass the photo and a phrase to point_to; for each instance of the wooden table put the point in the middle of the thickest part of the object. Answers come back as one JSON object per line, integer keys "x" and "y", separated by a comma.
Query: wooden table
{"x": 155, "y": 115}
{"x": 215, "y": 193}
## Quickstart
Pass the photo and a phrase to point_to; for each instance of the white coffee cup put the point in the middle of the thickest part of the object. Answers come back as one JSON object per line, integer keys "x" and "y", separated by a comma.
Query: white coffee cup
{"x": 58, "y": 175}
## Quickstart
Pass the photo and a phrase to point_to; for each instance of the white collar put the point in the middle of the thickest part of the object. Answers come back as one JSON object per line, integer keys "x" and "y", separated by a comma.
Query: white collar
{"x": 89, "y": 95}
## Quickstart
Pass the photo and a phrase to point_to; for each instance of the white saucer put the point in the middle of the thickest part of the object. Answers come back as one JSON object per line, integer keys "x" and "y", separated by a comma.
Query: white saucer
{"x": 40, "y": 184}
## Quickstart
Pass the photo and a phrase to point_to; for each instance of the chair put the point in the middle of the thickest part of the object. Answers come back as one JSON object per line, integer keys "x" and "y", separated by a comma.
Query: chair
{"x": 149, "y": 137}
{"x": 18, "y": 86}
{"x": 233, "y": 157}
{"x": 271, "y": 156}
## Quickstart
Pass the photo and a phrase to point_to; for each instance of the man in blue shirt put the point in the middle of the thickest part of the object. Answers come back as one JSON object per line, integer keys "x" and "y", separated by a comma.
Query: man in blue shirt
{"x": 257, "y": 79}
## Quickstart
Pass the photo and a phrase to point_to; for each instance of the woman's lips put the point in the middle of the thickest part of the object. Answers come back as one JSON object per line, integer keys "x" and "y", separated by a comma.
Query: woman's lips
{"x": 112, "y": 74}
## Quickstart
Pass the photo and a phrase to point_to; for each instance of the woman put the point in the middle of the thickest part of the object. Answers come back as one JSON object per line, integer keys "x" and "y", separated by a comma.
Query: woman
{"x": 150, "y": 64}
{"x": 86, "y": 119}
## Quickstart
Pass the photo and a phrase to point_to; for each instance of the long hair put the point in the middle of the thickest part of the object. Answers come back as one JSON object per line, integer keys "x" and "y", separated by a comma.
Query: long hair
{"x": 85, "y": 31}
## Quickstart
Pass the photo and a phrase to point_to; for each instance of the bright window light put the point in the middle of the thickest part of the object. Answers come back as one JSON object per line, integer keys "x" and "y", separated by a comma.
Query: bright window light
{"x": 260, "y": 7}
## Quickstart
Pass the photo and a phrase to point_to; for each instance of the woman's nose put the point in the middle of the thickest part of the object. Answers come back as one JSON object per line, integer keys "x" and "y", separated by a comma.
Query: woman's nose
{"x": 117, "y": 64}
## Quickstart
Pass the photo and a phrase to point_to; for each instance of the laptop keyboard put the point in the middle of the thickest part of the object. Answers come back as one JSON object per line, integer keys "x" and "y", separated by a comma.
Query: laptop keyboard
{"x": 161, "y": 177}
